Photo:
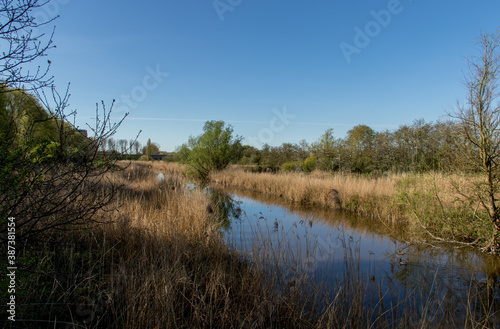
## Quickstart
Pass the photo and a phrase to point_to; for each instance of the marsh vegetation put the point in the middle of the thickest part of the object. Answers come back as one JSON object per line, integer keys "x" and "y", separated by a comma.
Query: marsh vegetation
{"x": 161, "y": 260}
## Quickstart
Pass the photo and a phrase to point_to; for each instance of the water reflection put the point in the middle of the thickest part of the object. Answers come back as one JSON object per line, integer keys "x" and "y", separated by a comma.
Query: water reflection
{"x": 224, "y": 207}
{"x": 332, "y": 247}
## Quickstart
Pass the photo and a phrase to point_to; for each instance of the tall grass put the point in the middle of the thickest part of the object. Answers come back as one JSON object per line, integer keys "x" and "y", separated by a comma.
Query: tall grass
{"x": 428, "y": 203}
{"x": 357, "y": 193}
{"x": 160, "y": 261}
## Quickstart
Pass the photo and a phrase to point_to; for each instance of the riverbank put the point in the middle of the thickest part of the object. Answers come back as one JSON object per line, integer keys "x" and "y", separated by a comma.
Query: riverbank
{"x": 158, "y": 261}
{"x": 427, "y": 203}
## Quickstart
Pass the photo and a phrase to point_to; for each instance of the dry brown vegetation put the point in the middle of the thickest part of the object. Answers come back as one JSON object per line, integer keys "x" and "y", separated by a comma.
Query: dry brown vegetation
{"x": 314, "y": 187}
{"x": 160, "y": 262}
{"x": 428, "y": 203}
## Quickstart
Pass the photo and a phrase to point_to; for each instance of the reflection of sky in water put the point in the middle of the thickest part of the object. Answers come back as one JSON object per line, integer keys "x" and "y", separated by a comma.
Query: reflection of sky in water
{"x": 304, "y": 234}
{"x": 309, "y": 241}
{"x": 318, "y": 241}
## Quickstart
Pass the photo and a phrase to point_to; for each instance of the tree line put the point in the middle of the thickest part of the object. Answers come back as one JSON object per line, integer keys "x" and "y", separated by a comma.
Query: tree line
{"x": 126, "y": 147}
{"x": 419, "y": 147}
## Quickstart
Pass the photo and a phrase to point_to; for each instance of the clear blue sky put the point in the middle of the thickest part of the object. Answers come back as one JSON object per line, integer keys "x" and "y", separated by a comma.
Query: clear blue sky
{"x": 277, "y": 71}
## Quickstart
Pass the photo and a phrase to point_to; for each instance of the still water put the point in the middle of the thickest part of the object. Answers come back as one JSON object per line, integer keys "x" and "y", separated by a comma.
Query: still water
{"x": 326, "y": 244}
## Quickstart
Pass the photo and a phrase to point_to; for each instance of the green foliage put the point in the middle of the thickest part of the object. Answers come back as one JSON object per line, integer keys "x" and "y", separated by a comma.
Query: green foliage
{"x": 182, "y": 154}
{"x": 250, "y": 156}
{"x": 51, "y": 175}
{"x": 150, "y": 149}
{"x": 292, "y": 166}
{"x": 327, "y": 151}
{"x": 419, "y": 147}
{"x": 211, "y": 151}
{"x": 144, "y": 158}
{"x": 309, "y": 163}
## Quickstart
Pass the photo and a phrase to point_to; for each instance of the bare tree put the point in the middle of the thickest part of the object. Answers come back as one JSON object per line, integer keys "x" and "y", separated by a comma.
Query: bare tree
{"x": 479, "y": 122}
{"x": 122, "y": 144}
{"x": 50, "y": 174}
{"x": 137, "y": 147}
{"x": 58, "y": 179}
{"x": 131, "y": 145}
{"x": 111, "y": 145}
{"x": 21, "y": 43}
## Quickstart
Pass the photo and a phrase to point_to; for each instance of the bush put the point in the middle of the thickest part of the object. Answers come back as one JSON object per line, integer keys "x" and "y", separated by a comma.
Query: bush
{"x": 291, "y": 166}
{"x": 213, "y": 150}
{"x": 309, "y": 164}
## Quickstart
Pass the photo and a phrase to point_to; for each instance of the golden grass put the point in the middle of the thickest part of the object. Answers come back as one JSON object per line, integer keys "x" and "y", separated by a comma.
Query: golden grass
{"x": 428, "y": 203}
{"x": 160, "y": 262}
{"x": 358, "y": 194}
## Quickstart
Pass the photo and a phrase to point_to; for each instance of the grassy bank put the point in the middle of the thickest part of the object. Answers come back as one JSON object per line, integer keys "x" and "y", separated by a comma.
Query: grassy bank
{"x": 159, "y": 262}
{"x": 428, "y": 203}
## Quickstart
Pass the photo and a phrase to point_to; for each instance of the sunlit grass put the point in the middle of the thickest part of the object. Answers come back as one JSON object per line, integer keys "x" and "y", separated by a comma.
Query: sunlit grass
{"x": 160, "y": 262}
{"x": 430, "y": 203}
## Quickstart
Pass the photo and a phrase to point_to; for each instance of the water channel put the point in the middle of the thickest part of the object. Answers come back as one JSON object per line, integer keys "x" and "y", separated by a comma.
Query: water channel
{"x": 326, "y": 244}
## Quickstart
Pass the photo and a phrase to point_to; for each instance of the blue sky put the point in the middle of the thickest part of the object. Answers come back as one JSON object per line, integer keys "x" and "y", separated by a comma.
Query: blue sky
{"x": 274, "y": 70}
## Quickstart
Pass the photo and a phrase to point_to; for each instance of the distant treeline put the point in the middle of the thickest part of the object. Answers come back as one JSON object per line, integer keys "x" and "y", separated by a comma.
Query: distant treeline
{"x": 418, "y": 147}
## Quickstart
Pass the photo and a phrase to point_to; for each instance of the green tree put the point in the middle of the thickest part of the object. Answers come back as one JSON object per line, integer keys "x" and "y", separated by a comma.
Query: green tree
{"x": 309, "y": 163}
{"x": 383, "y": 151}
{"x": 250, "y": 156}
{"x": 327, "y": 151}
{"x": 150, "y": 149}
{"x": 213, "y": 150}
{"x": 360, "y": 145}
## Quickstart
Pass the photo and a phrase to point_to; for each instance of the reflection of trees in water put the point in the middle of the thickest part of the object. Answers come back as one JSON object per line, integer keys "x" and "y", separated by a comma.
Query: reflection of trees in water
{"x": 365, "y": 226}
{"x": 224, "y": 207}
{"x": 451, "y": 282}
{"x": 490, "y": 288}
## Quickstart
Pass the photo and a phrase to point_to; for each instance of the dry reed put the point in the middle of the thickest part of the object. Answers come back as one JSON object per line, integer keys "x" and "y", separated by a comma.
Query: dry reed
{"x": 358, "y": 194}
{"x": 430, "y": 204}
{"x": 160, "y": 262}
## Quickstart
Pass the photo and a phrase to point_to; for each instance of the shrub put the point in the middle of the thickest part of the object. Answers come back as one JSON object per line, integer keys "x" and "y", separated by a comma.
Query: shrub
{"x": 309, "y": 164}
{"x": 291, "y": 166}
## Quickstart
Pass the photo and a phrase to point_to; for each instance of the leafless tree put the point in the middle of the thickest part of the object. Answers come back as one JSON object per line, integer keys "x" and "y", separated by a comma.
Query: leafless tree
{"x": 137, "y": 147}
{"x": 22, "y": 41}
{"x": 122, "y": 144}
{"x": 59, "y": 182}
{"x": 479, "y": 122}
{"x": 111, "y": 145}
{"x": 52, "y": 177}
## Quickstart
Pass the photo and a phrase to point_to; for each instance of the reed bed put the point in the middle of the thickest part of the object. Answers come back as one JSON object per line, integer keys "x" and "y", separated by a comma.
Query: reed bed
{"x": 160, "y": 261}
{"x": 429, "y": 204}
{"x": 368, "y": 196}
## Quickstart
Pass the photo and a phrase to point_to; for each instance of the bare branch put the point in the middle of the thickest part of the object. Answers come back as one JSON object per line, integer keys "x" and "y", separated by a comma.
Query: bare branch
{"x": 21, "y": 44}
